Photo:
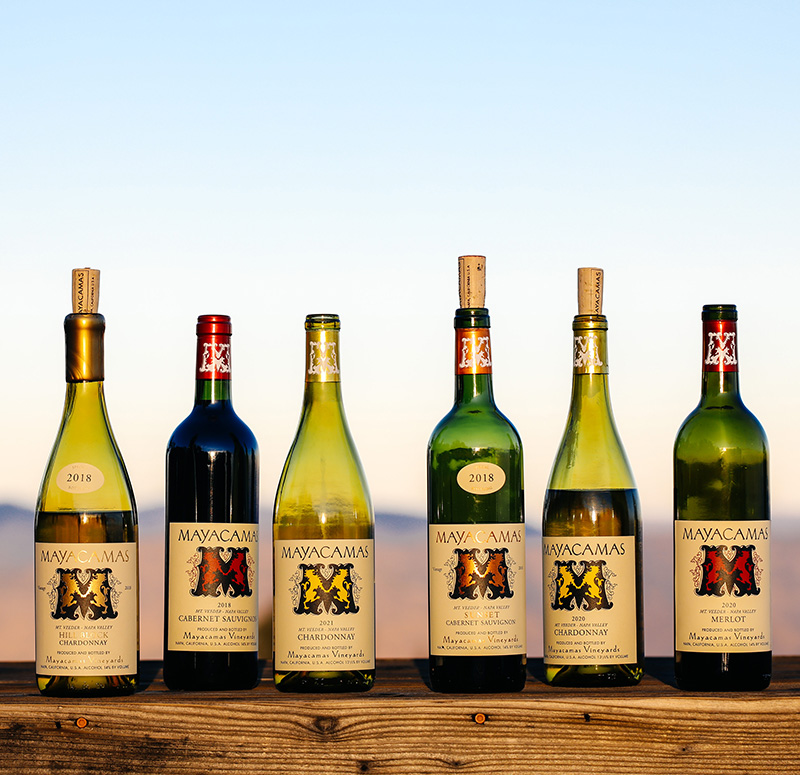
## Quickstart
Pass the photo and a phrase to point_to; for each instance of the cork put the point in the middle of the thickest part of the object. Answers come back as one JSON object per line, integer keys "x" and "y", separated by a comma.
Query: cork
{"x": 85, "y": 291}
{"x": 590, "y": 291}
{"x": 472, "y": 281}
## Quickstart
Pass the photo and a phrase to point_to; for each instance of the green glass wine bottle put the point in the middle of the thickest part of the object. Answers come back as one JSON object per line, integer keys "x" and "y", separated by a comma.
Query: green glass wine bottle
{"x": 591, "y": 529}
{"x": 722, "y": 527}
{"x": 86, "y": 564}
{"x": 476, "y": 520}
{"x": 323, "y": 540}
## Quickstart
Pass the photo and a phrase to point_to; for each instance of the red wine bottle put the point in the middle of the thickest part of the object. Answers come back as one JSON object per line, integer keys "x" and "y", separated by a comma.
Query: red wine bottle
{"x": 476, "y": 520}
{"x": 722, "y": 583}
{"x": 211, "y": 589}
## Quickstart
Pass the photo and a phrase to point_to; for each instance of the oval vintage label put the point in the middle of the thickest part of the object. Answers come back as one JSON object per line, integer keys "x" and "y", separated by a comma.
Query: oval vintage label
{"x": 481, "y": 478}
{"x": 80, "y": 478}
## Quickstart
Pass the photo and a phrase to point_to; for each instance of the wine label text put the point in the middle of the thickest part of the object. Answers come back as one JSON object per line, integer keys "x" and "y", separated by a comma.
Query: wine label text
{"x": 86, "y": 598}
{"x": 213, "y": 587}
{"x": 589, "y": 600}
{"x": 722, "y": 586}
{"x": 324, "y": 612}
{"x": 477, "y": 589}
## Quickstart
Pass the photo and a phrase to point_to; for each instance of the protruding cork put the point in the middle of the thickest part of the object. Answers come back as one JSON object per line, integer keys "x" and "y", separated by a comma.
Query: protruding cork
{"x": 590, "y": 291}
{"x": 472, "y": 281}
{"x": 85, "y": 291}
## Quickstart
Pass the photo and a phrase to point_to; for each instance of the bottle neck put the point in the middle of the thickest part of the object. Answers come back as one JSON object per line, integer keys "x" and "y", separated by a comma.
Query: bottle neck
{"x": 322, "y": 373}
{"x": 590, "y": 365}
{"x": 473, "y": 357}
{"x": 213, "y": 370}
{"x": 589, "y": 345}
{"x": 720, "y": 360}
{"x": 83, "y": 335}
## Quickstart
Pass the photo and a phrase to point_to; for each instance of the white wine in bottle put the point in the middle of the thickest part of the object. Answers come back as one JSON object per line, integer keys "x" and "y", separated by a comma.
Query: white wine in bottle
{"x": 591, "y": 532}
{"x": 86, "y": 562}
{"x": 323, "y": 530}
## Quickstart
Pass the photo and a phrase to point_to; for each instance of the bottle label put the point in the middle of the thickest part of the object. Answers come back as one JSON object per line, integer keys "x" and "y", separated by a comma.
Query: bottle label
{"x": 719, "y": 343}
{"x": 590, "y": 356}
{"x": 87, "y": 609}
{"x": 324, "y": 615}
{"x": 589, "y": 600}
{"x": 722, "y": 585}
{"x": 322, "y": 362}
{"x": 79, "y": 478}
{"x": 214, "y": 356}
{"x": 481, "y": 478}
{"x": 213, "y": 587}
{"x": 473, "y": 351}
{"x": 476, "y": 587}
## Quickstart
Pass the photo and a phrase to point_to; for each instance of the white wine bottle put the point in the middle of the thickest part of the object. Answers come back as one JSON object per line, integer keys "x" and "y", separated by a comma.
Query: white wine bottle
{"x": 86, "y": 561}
{"x": 323, "y": 531}
{"x": 591, "y": 532}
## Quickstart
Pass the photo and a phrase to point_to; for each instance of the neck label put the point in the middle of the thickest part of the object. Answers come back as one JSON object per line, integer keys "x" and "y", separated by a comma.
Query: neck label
{"x": 589, "y": 355}
{"x": 473, "y": 351}
{"x": 722, "y": 585}
{"x": 213, "y": 357}
{"x": 719, "y": 346}
{"x": 322, "y": 360}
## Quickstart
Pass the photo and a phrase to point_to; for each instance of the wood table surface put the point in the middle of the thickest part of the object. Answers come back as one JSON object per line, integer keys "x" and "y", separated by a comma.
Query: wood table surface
{"x": 401, "y": 726}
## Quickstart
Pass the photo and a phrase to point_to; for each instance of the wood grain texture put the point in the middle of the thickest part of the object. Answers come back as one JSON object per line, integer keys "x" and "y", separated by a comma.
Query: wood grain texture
{"x": 402, "y": 727}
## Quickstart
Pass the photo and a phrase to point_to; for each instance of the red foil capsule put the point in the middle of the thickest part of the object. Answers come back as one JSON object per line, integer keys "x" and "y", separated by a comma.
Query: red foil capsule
{"x": 214, "y": 347}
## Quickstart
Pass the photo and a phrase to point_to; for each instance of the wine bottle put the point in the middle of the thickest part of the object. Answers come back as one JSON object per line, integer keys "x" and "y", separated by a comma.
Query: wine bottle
{"x": 86, "y": 563}
{"x": 323, "y": 531}
{"x": 722, "y": 527}
{"x": 476, "y": 520}
{"x": 211, "y": 587}
{"x": 591, "y": 529}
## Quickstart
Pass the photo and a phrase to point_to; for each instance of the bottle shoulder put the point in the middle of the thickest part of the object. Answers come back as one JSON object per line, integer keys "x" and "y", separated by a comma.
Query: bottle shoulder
{"x": 213, "y": 426}
{"x": 474, "y": 425}
{"x": 721, "y": 425}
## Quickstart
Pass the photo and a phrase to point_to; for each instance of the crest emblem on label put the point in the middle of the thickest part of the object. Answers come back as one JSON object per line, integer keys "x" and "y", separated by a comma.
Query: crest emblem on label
{"x": 581, "y": 586}
{"x": 481, "y": 572}
{"x": 320, "y": 590}
{"x": 85, "y": 593}
{"x": 719, "y": 571}
{"x": 220, "y": 572}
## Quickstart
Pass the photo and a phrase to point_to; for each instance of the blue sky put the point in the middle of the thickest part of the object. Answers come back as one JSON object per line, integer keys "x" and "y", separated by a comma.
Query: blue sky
{"x": 270, "y": 160}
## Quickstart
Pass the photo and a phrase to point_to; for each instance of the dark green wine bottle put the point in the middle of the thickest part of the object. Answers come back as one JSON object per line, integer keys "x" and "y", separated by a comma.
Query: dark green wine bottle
{"x": 323, "y": 539}
{"x": 476, "y": 520}
{"x": 722, "y": 579}
{"x": 591, "y": 531}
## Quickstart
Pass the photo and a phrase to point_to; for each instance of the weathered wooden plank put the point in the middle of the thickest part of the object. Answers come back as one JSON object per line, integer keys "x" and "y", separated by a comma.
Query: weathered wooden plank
{"x": 403, "y": 727}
